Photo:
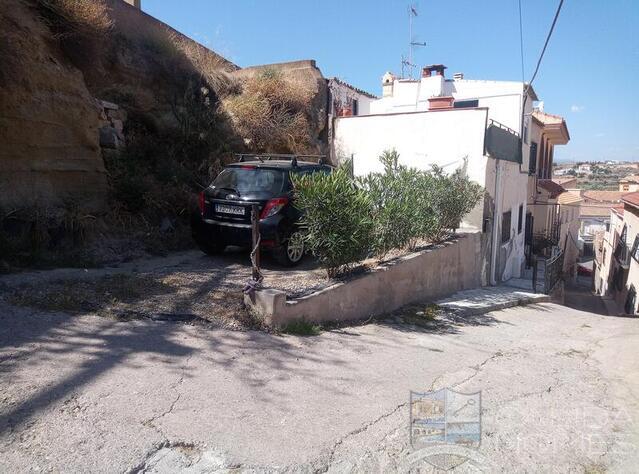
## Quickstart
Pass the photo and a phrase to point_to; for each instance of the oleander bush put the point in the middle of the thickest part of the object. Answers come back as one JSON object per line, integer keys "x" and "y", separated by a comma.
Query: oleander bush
{"x": 392, "y": 195}
{"x": 347, "y": 219}
{"x": 337, "y": 222}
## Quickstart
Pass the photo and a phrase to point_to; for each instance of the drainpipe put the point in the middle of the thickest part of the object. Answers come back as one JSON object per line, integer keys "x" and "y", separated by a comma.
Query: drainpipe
{"x": 496, "y": 215}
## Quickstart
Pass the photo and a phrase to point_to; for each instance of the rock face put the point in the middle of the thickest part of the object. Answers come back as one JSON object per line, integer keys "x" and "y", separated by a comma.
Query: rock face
{"x": 48, "y": 119}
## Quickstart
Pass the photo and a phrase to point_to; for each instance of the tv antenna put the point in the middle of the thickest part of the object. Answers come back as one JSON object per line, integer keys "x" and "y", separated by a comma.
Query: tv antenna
{"x": 412, "y": 44}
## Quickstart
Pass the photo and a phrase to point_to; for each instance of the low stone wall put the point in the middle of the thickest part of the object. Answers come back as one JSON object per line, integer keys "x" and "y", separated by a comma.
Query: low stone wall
{"x": 429, "y": 274}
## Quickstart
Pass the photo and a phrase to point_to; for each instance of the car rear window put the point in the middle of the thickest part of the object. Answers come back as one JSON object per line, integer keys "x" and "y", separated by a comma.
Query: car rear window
{"x": 251, "y": 180}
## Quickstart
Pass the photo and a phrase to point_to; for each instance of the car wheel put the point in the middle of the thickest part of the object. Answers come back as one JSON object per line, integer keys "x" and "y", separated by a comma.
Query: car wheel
{"x": 292, "y": 252}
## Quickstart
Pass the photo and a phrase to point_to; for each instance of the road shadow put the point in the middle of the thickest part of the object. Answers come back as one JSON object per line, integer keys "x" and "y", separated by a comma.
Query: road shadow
{"x": 91, "y": 350}
{"x": 428, "y": 318}
{"x": 578, "y": 295}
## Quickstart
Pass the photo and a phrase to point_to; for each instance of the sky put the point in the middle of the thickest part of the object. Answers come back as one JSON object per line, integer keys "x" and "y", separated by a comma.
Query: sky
{"x": 589, "y": 74}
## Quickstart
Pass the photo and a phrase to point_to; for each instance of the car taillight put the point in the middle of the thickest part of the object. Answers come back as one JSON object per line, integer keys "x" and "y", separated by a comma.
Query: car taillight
{"x": 273, "y": 207}
{"x": 201, "y": 202}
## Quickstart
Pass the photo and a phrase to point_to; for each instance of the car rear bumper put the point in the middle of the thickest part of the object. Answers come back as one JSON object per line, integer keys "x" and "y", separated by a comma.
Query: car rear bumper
{"x": 230, "y": 233}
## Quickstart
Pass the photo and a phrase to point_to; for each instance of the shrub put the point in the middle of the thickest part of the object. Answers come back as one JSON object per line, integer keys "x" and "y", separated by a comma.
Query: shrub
{"x": 456, "y": 196}
{"x": 301, "y": 328}
{"x": 336, "y": 218}
{"x": 392, "y": 195}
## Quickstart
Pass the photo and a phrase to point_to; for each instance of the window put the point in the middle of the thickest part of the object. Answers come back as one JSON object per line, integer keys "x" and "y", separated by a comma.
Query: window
{"x": 620, "y": 248}
{"x": 505, "y": 227}
{"x": 355, "y": 106}
{"x": 532, "y": 160}
{"x": 635, "y": 248}
{"x": 464, "y": 104}
{"x": 242, "y": 179}
{"x": 520, "y": 218}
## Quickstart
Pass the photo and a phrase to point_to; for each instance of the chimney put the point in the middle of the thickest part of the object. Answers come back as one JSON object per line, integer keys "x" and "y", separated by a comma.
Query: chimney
{"x": 438, "y": 69}
{"x": 440, "y": 103}
{"x": 387, "y": 84}
{"x": 136, "y": 3}
{"x": 458, "y": 76}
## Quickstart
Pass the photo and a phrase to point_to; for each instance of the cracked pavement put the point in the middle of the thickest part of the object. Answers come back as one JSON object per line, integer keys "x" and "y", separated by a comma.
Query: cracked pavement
{"x": 560, "y": 393}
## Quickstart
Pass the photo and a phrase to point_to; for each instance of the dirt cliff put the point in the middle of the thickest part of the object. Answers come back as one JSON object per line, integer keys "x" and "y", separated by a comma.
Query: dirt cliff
{"x": 48, "y": 118}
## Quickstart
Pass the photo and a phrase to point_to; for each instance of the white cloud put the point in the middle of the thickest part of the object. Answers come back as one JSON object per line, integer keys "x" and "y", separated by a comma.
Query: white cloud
{"x": 577, "y": 108}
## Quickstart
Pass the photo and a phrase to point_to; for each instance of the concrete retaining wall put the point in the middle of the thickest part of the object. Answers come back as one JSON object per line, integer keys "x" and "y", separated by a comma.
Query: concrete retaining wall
{"x": 429, "y": 274}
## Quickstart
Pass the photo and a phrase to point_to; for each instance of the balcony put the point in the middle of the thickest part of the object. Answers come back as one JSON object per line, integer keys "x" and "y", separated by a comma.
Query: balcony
{"x": 503, "y": 143}
{"x": 622, "y": 255}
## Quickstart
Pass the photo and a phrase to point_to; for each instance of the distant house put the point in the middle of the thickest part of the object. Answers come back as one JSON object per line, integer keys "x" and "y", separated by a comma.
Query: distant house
{"x": 629, "y": 183}
{"x": 595, "y": 214}
{"x": 616, "y": 270}
{"x": 346, "y": 100}
{"x": 567, "y": 182}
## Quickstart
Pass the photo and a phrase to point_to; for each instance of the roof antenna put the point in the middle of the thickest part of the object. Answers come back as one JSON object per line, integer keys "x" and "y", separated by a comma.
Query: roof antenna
{"x": 408, "y": 63}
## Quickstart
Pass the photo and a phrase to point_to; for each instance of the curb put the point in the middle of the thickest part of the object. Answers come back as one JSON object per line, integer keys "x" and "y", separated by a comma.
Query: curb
{"x": 464, "y": 311}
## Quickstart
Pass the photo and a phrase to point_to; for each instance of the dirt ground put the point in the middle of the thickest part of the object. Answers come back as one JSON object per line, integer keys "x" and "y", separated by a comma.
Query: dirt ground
{"x": 185, "y": 285}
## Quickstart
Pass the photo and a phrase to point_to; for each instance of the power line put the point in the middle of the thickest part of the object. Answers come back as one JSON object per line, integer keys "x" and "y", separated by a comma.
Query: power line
{"x": 521, "y": 44}
{"x": 541, "y": 56}
{"x": 543, "y": 51}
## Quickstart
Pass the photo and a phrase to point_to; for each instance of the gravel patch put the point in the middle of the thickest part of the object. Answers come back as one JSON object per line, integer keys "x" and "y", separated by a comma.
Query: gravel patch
{"x": 184, "y": 286}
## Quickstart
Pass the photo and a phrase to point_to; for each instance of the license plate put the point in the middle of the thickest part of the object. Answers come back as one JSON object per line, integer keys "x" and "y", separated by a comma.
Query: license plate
{"x": 223, "y": 209}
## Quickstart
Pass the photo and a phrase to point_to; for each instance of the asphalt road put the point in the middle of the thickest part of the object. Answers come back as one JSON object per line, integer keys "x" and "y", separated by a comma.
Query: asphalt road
{"x": 560, "y": 393}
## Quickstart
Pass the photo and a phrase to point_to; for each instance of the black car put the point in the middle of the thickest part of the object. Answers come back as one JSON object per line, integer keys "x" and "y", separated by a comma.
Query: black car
{"x": 224, "y": 216}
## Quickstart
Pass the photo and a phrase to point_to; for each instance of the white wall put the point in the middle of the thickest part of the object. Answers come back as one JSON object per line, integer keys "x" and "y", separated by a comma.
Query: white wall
{"x": 513, "y": 194}
{"x": 503, "y": 98}
{"x": 424, "y": 138}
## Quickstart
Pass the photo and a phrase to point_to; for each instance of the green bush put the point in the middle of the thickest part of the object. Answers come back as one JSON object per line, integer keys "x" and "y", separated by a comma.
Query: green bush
{"x": 392, "y": 195}
{"x": 457, "y": 196}
{"x": 347, "y": 219}
{"x": 426, "y": 221}
{"x": 337, "y": 225}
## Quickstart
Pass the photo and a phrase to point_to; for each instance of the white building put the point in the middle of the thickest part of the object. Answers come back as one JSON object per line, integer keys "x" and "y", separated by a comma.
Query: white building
{"x": 455, "y": 123}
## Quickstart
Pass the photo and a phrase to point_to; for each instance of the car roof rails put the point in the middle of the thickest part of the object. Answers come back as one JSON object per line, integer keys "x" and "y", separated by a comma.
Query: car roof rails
{"x": 280, "y": 156}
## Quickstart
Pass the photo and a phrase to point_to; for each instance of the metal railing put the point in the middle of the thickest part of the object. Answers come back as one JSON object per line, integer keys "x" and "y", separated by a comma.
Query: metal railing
{"x": 553, "y": 272}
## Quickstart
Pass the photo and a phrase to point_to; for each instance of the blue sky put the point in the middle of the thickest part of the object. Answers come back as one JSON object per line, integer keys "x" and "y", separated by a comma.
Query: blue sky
{"x": 589, "y": 74}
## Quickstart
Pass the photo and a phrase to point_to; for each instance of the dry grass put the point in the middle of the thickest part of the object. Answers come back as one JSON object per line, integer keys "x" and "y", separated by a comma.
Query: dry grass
{"x": 270, "y": 114}
{"x": 80, "y": 296}
{"x": 212, "y": 68}
{"x": 80, "y": 16}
